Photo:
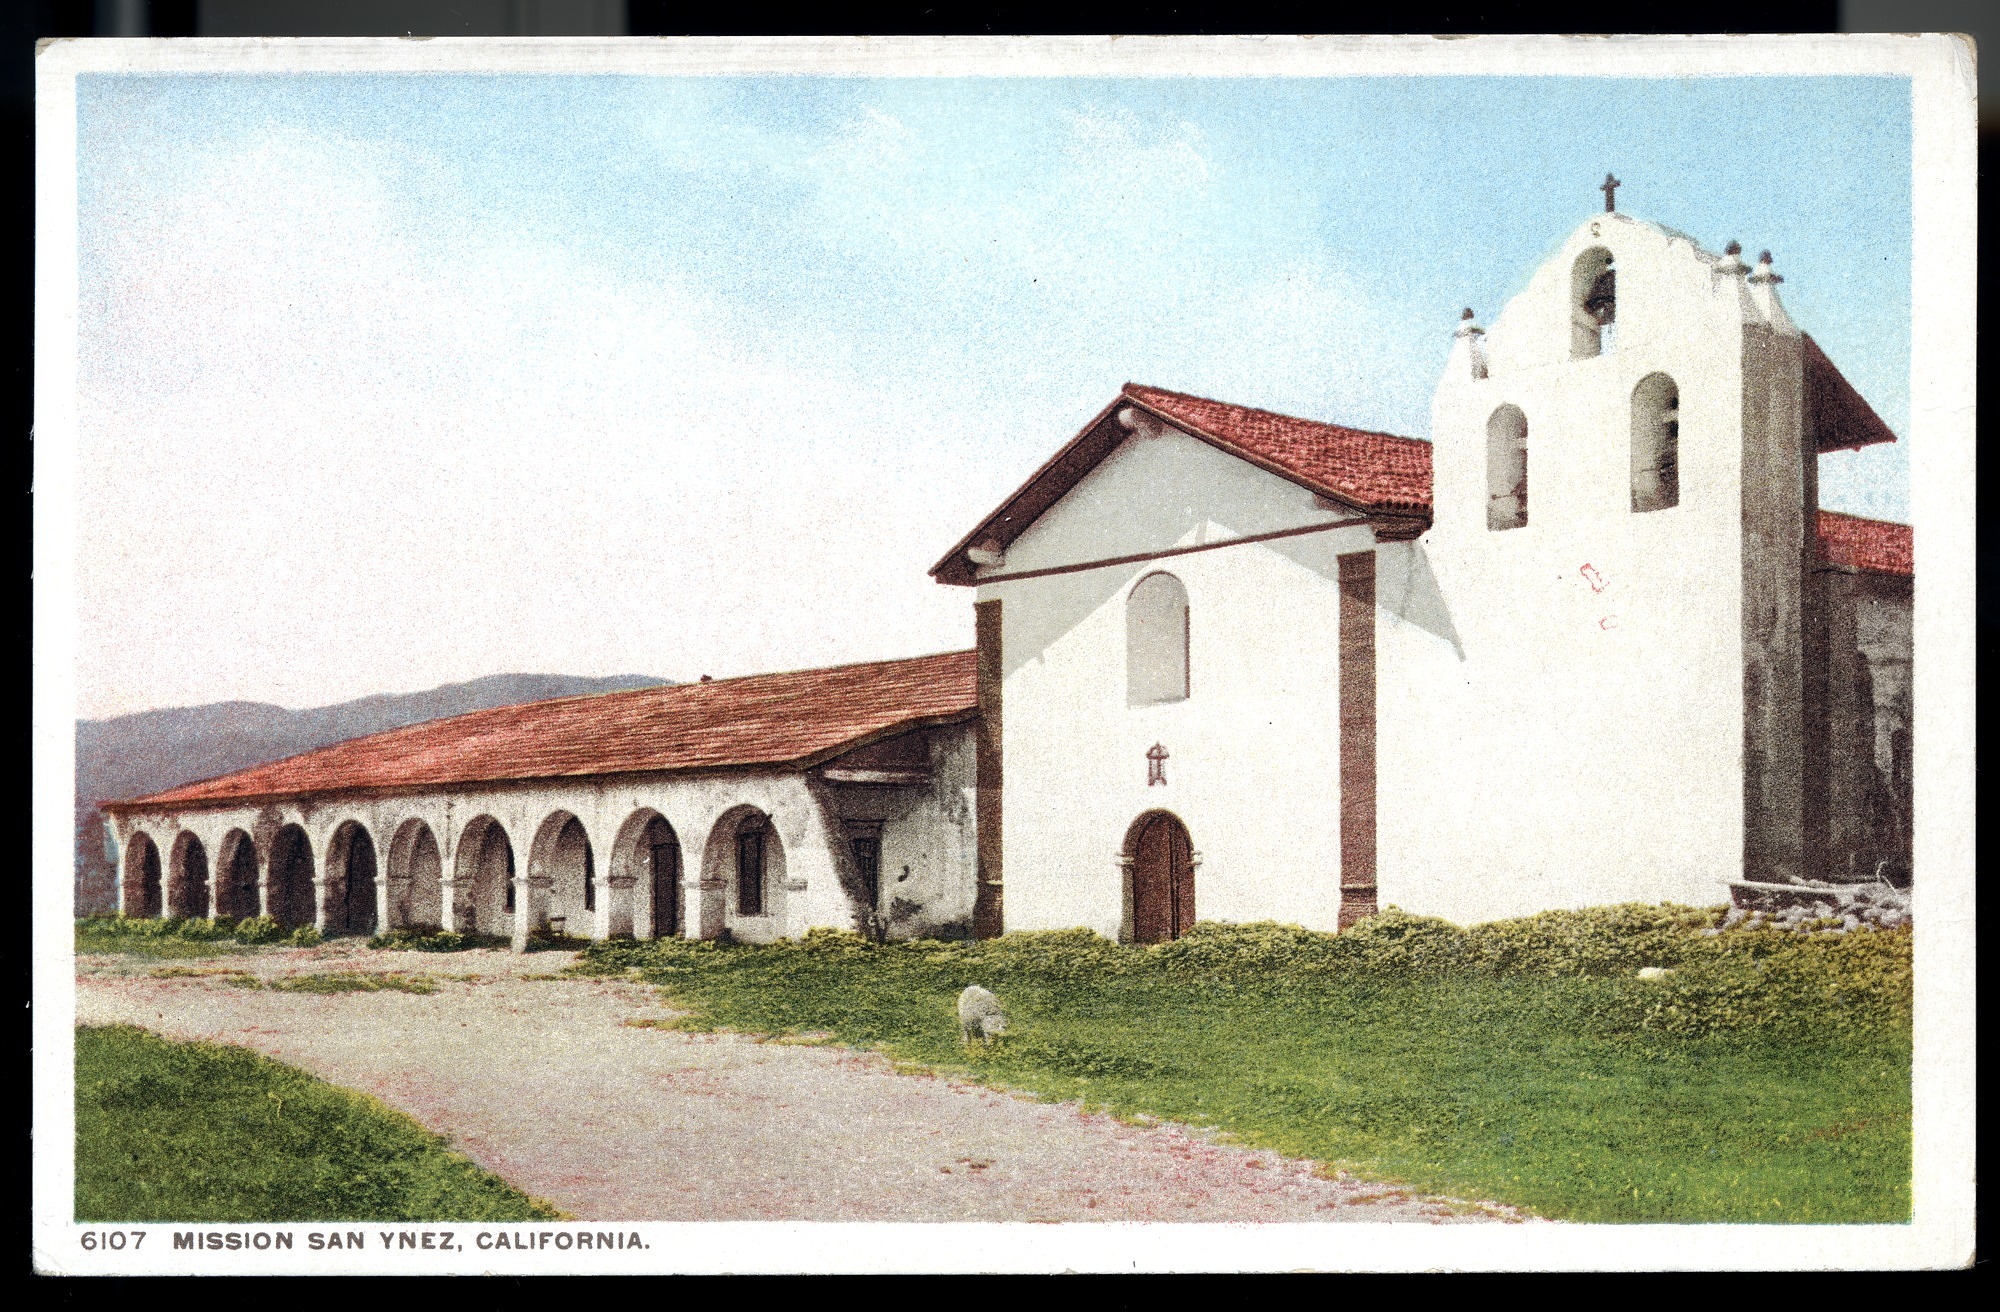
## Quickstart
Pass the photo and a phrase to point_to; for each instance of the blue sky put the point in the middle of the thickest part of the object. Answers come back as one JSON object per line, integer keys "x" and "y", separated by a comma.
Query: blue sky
{"x": 601, "y": 374}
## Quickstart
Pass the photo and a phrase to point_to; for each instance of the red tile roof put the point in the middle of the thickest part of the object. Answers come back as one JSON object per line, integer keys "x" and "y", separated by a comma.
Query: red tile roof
{"x": 1874, "y": 545}
{"x": 788, "y": 721}
{"x": 1376, "y": 473}
{"x": 1369, "y": 471}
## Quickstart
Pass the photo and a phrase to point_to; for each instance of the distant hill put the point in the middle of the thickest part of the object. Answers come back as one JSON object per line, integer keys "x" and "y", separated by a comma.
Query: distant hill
{"x": 135, "y": 755}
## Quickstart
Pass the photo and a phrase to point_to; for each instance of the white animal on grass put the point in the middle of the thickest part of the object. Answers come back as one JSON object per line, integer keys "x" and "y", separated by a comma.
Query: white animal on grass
{"x": 980, "y": 1010}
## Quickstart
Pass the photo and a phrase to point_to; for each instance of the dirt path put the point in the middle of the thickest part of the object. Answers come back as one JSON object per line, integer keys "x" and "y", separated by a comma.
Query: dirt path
{"x": 544, "y": 1083}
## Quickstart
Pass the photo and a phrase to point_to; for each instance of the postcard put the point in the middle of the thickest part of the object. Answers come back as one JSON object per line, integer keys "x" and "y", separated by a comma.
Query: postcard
{"x": 1004, "y": 655}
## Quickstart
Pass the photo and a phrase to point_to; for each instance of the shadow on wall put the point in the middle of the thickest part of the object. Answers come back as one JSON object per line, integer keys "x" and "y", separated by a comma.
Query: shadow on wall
{"x": 1407, "y": 589}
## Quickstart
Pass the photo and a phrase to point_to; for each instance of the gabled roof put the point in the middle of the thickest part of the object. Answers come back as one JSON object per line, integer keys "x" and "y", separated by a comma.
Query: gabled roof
{"x": 793, "y": 720}
{"x": 1377, "y": 474}
{"x": 1837, "y": 417}
{"x": 1875, "y": 546}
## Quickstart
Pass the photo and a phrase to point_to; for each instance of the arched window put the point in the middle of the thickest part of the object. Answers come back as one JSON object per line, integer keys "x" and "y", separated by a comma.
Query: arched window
{"x": 1656, "y": 444}
{"x": 1156, "y": 641}
{"x": 1507, "y": 468}
{"x": 1593, "y": 304}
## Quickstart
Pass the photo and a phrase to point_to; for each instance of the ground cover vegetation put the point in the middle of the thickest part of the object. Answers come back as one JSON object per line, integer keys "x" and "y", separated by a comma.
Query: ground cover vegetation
{"x": 170, "y": 1131}
{"x": 1764, "y": 1077}
{"x": 175, "y": 937}
{"x": 434, "y": 940}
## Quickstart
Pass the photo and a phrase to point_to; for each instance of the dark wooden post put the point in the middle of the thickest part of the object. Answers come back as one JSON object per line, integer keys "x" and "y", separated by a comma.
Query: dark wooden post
{"x": 1357, "y": 737}
{"x": 988, "y": 918}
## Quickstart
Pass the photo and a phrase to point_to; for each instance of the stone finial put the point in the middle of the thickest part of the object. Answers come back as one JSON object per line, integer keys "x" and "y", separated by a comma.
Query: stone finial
{"x": 1732, "y": 259}
{"x": 1471, "y": 337}
{"x": 1764, "y": 274}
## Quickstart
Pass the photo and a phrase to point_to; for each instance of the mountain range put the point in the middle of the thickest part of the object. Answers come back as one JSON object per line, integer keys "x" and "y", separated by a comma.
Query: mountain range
{"x": 134, "y": 755}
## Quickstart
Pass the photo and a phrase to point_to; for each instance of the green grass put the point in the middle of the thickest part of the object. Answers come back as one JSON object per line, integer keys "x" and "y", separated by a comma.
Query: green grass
{"x": 1570, "y": 1095}
{"x": 353, "y": 981}
{"x": 155, "y": 939}
{"x": 199, "y": 1132}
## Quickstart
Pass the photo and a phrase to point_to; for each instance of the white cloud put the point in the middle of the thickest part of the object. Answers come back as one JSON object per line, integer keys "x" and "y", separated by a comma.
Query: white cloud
{"x": 330, "y": 453}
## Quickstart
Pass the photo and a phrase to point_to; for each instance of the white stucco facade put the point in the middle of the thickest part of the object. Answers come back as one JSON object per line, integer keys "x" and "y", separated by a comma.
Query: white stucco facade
{"x": 1582, "y": 739}
{"x": 1599, "y": 705}
{"x": 1251, "y": 764}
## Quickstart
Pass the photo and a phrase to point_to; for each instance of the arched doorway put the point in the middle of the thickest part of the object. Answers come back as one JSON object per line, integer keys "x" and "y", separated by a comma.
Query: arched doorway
{"x": 483, "y": 885}
{"x": 236, "y": 876}
{"x": 139, "y": 888}
{"x": 416, "y": 878}
{"x": 643, "y": 884}
{"x": 350, "y": 881}
{"x": 743, "y": 877}
{"x": 1161, "y": 891}
{"x": 187, "y": 879}
{"x": 563, "y": 861}
{"x": 291, "y": 878}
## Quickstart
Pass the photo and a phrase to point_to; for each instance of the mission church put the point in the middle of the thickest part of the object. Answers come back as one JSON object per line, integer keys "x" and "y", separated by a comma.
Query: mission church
{"x": 1593, "y": 642}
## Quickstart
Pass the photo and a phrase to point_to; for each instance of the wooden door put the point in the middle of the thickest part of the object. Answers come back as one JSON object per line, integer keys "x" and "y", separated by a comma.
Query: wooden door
{"x": 1162, "y": 881}
{"x": 666, "y": 889}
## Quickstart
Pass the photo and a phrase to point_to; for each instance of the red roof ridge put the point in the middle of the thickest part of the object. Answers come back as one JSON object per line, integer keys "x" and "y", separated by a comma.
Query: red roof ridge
{"x": 1132, "y": 390}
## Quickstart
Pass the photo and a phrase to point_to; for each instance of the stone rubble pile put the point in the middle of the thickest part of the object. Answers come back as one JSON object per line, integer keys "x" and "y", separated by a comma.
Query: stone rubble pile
{"x": 1808, "y": 908}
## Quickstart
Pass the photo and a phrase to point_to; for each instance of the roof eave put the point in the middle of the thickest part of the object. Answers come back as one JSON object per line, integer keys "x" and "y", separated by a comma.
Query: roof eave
{"x": 166, "y": 801}
{"x": 956, "y": 569}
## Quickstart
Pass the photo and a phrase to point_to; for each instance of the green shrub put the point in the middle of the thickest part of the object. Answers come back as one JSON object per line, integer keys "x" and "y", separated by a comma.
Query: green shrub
{"x": 259, "y": 929}
{"x": 305, "y": 936}
{"x": 1594, "y": 941}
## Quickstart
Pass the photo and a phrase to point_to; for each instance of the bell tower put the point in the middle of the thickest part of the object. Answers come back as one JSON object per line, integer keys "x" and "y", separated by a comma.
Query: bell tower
{"x": 1621, "y": 499}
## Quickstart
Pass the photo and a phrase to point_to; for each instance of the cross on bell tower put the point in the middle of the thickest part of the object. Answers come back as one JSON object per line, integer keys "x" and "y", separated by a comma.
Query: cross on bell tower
{"x": 1609, "y": 187}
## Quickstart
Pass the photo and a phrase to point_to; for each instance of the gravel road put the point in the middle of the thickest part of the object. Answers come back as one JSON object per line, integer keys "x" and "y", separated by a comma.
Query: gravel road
{"x": 548, "y": 1084}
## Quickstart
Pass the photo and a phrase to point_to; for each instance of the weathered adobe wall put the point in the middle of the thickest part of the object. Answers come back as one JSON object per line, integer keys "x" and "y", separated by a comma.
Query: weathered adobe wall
{"x": 928, "y": 829}
{"x": 1867, "y": 771}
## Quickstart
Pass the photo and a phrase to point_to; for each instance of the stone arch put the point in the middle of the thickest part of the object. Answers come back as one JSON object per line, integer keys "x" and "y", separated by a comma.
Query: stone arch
{"x": 743, "y": 856}
{"x": 1159, "y": 861}
{"x": 290, "y": 894}
{"x": 416, "y": 878}
{"x": 187, "y": 878}
{"x": 1656, "y": 444}
{"x": 1156, "y": 641}
{"x": 562, "y": 876}
{"x": 236, "y": 876}
{"x": 483, "y": 878}
{"x": 139, "y": 880}
{"x": 1507, "y": 468}
{"x": 351, "y": 881}
{"x": 1593, "y": 304}
{"x": 645, "y": 878}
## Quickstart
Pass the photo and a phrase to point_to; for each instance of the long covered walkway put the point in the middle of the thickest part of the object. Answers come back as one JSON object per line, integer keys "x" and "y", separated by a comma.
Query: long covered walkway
{"x": 758, "y": 808}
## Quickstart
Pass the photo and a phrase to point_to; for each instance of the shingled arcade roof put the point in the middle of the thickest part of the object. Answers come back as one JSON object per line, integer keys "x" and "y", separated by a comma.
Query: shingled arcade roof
{"x": 1875, "y": 546}
{"x": 792, "y": 721}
